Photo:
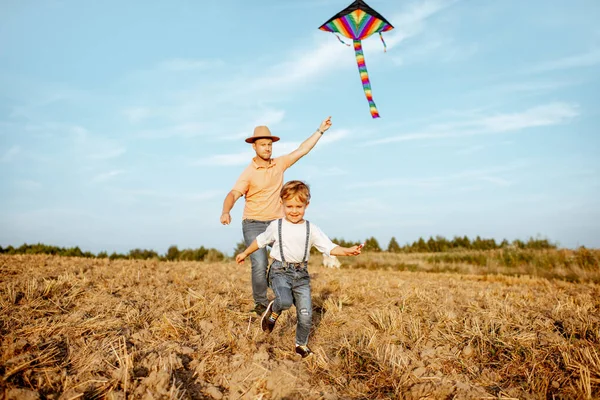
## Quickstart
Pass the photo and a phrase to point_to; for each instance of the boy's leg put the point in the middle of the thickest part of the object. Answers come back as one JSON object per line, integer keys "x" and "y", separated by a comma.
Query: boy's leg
{"x": 281, "y": 285}
{"x": 259, "y": 260}
{"x": 302, "y": 293}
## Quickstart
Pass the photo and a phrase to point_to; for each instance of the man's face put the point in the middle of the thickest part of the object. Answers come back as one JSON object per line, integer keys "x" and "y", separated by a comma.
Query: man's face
{"x": 263, "y": 148}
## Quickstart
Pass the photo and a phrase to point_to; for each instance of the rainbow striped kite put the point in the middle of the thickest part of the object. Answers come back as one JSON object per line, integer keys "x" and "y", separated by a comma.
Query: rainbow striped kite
{"x": 358, "y": 21}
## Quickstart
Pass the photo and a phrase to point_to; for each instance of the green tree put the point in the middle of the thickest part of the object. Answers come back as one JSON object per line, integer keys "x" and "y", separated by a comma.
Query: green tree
{"x": 539, "y": 244}
{"x": 421, "y": 246}
{"x": 393, "y": 246}
{"x": 200, "y": 253}
{"x": 172, "y": 253}
{"x": 432, "y": 245}
{"x": 442, "y": 243}
{"x": 116, "y": 256}
{"x": 139, "y": 254}
{"x": 240, "y": 247}
{"x": 73, "y": 252}
{"x": 187, "y": 255}
{"x": 214, "y": 255}
{"x": 371, "y": 244}
{"x": 518, "y": 243}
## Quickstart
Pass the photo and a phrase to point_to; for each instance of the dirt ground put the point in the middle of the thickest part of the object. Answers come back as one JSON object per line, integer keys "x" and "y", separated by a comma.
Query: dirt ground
{"x": 93, "y": 328}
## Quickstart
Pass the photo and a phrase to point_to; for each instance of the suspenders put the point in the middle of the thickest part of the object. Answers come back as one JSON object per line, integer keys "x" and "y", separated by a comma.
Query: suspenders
{"x": 304, "y": 259}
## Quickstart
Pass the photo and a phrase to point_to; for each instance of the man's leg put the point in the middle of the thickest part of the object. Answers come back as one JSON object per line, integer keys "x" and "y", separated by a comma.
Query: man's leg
{"x": 259, "y": 260}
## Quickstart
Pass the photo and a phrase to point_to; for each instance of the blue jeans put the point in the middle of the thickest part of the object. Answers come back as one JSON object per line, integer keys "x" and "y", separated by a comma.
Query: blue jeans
{"x": 259, "y": 259}
{"x": 292, "y": 286}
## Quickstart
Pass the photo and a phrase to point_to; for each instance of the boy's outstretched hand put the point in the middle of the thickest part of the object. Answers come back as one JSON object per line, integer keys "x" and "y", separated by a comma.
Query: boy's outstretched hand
{"x": 346, "y": 251}
{"x": 354, "y": 250}
{"x": 240, "y": 258}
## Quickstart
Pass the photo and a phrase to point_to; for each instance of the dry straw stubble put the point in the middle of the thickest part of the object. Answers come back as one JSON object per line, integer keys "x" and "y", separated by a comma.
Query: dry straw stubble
{"x": 88, "y": 328}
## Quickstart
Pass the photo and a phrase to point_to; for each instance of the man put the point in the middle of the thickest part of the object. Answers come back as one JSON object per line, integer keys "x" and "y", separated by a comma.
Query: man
{"x": 261, "y": 183}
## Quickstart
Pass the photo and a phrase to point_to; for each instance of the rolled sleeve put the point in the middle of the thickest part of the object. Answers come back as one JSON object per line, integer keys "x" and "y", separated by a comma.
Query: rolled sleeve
{"x": 321, "y": 241}
{"x": 285, "y": 161}
{"x": 243, "y": 183}
{"x": 267, "y": 237}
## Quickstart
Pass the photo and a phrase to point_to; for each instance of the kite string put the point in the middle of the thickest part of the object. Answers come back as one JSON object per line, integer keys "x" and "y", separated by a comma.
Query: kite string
{"x": 383, "y": 41}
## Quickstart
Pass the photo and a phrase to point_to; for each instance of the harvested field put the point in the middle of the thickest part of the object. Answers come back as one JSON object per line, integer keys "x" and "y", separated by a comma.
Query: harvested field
{"x": 94, "y": 328}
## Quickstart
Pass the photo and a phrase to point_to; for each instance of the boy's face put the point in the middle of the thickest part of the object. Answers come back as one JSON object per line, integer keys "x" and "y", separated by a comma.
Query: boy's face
{"x": 263, "y": 148}
{"x": 294, "y": 209}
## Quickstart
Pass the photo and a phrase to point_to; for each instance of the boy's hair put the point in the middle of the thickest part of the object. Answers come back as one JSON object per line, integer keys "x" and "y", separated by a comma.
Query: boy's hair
{"x": 294, "y": 189}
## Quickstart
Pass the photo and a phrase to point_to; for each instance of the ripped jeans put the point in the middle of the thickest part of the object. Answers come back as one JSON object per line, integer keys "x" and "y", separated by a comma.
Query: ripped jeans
{"x": 292, "y": 286}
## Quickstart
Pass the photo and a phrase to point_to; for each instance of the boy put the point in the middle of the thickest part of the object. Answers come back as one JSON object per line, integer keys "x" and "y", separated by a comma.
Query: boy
{"x": 291, "y": 238}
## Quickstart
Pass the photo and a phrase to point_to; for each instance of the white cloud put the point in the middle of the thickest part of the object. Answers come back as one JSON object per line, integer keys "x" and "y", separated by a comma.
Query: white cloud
{"x": 279, "y": 148}
{"x": 269, "y": 117}
{"x": 544, "y": 115}
{"x": 412, "y": 21}
{"x": 422, "y": 41}
{"x": 250, "y": 89}
{"x": 525, "y": 87}
{"x": 185, "y": 129}
{"x": 80, "y": 133}
{"x": 470, "y": 150}
{"x": 108, "y": 154}
{"x": 172, "y": 196}
{"x": 10, "y": 154}
{"x": 587, "y": 59}
{"x": 137, "y": 114}
{"x": 311, "y": 171}
{"x": 226, "y": 159}
{"x": 332, "y": 136}
{"x": 302, "y": 65}
{"x": 103, "y": 177}
{"x": 489, "y": 175}
{"x": 183, "y": 64}
{"x": 28, "y": 184}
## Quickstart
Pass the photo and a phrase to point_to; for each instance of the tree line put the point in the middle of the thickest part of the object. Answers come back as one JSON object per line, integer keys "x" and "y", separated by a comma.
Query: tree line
{"x": 172, "y": 254}
{"x": 439, "y": 244}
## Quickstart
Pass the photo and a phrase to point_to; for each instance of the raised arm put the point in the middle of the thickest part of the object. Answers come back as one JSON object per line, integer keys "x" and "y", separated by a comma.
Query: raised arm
{"x": 309, "y": 143}
{"x": 228, "y": 203}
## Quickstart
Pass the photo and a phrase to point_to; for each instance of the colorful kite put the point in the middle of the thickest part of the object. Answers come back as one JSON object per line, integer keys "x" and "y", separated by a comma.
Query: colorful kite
{"x": 358, "y": 21}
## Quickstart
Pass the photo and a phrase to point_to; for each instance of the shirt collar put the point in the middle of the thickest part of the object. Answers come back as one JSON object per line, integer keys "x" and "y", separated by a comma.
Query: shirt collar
{"x": 271, "y": 164}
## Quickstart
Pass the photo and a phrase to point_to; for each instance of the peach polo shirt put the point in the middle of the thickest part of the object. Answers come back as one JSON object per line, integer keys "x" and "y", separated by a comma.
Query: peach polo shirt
{"x": 262, "y": 186}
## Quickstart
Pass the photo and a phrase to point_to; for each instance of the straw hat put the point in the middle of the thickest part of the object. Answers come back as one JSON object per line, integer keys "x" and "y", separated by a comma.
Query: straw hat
{"x": 261, "y": 132}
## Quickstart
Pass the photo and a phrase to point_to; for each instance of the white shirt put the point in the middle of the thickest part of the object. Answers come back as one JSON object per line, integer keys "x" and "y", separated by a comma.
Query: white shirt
{"x": 294, "y": 240}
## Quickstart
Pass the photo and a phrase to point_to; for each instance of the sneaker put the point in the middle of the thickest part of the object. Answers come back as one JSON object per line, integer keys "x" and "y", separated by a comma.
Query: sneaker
{"x": 258, "y": 308}
{"x": 304, "y": 351}
{"x": 269, "y": 318}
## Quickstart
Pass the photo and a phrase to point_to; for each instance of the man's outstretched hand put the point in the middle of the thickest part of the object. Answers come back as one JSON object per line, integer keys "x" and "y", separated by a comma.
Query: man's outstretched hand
{"x": 326, "y": 124}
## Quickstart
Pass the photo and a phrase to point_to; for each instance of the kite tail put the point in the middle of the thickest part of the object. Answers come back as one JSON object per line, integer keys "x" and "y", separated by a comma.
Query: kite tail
{"x": 364, "y": 77}
{"x": 383, "y": 41}
{"x": 340, "y": 39}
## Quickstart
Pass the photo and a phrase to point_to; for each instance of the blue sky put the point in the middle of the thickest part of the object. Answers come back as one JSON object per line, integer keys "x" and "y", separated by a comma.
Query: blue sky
{"x": 122, "y": 123}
